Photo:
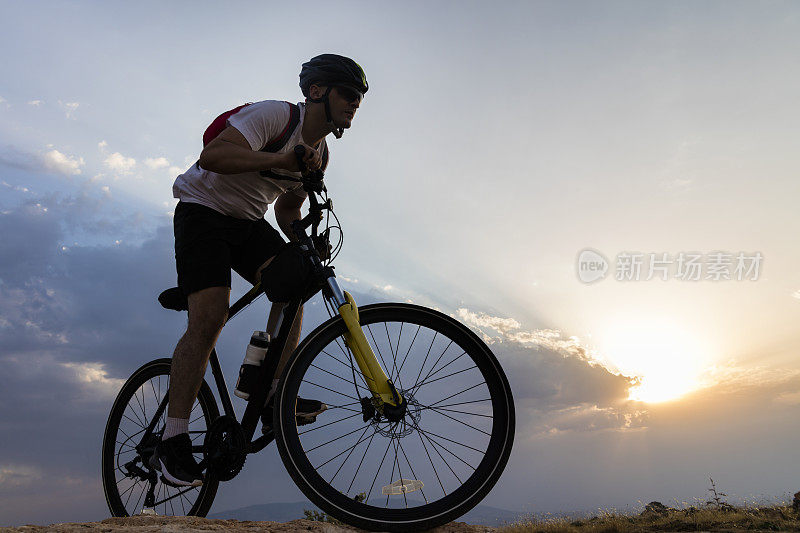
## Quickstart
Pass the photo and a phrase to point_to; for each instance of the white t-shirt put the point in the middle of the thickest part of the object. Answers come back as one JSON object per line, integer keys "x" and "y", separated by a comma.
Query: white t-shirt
{"x": 248, "y": 194}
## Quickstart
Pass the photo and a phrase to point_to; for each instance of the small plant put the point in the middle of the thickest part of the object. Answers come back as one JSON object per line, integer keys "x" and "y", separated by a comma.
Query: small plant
{"x": 718, "y": 499}
{"x": 318, "y": 516}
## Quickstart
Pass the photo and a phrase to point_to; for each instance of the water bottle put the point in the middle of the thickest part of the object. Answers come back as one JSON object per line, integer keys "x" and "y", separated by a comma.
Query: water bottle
{"x": 248, "y": 373}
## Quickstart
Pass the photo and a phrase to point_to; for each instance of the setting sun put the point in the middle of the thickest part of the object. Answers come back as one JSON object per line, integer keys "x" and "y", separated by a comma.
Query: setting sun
{"x": 667, "y": 360}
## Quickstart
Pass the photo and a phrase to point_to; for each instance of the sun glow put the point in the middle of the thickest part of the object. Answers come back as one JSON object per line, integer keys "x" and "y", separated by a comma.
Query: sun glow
{"x": 667, "y": 361}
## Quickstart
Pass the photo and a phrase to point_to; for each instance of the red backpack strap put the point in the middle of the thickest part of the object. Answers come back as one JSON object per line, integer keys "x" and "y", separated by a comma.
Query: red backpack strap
{"x": 219, "y": 124}
{"x": 273, "y": 145}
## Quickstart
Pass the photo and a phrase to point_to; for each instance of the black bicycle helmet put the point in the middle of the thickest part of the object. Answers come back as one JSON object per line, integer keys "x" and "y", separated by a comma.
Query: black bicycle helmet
{"x": 333, "y": 69}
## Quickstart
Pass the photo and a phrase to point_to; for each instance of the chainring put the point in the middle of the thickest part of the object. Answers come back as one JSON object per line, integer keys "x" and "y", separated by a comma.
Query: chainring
{"x": 225, "y": 448}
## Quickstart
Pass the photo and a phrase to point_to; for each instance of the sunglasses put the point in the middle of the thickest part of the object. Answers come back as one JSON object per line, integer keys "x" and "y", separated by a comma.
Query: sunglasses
{"x": 349, "y": 94}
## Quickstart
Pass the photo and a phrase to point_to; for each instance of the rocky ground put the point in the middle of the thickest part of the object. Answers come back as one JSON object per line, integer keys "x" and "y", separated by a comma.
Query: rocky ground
{"x": 153, "y": 524}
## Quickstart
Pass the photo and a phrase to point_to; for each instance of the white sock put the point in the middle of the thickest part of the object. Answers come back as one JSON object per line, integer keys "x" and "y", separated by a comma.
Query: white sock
{"x": 175, "y": 426}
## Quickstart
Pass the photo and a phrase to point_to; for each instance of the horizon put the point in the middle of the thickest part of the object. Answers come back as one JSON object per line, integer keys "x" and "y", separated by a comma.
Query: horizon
{"x": 605, "y": 192}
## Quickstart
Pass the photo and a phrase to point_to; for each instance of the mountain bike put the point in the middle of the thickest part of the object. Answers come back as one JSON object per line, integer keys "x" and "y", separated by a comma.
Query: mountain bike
{"x": 420, "y": 419}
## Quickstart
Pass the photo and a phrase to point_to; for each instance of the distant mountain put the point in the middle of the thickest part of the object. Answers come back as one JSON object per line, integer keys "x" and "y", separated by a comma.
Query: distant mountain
{"x": 483, "y": 515}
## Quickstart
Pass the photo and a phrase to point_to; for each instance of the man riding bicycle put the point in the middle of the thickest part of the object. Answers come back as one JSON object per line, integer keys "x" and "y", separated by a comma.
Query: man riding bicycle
{"x": 219, "y": 226}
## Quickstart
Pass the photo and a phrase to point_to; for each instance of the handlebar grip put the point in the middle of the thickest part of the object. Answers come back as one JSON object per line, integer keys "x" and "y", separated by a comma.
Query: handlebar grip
{"x": 299, "y": 153}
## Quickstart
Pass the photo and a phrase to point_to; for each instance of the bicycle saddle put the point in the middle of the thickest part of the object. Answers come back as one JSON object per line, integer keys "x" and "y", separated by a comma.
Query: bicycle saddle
{"x": 173, "y": 299}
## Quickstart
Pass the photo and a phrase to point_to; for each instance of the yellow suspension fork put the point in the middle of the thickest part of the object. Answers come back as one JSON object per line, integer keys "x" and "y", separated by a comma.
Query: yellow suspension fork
{"x": 380, "y": 385}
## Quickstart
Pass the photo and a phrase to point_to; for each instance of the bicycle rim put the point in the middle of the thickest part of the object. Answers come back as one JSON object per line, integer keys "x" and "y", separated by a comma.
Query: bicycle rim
{"x": 438, "y": 462}
{"x": 132, "y": 412}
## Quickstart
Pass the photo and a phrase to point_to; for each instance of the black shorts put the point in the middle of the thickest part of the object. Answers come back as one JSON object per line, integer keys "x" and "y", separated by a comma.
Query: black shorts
{"x": 209, "y": 244}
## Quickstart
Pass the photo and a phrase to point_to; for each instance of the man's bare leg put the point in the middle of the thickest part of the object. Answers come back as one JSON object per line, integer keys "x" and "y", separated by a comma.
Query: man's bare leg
{"x": 208, "y": 311}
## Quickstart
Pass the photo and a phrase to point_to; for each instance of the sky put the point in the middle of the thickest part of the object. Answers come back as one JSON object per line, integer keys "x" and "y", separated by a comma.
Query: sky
{"x": 498, "y": 145}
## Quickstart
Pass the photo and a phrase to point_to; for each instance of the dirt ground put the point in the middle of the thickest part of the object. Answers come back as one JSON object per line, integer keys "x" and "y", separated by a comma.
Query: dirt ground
{"x": 162, "y": 524}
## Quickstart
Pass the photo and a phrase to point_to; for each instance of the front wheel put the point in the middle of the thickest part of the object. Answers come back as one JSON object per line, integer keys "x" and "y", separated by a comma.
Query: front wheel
{"x": 426, "y": 469}
{"x": 126, "y": 450}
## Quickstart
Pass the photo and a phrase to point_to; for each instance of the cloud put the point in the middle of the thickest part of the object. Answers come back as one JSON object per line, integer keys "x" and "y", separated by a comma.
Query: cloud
{"x": 11, "y": 156}
{"x": 102, "y": 145}
{"x": 156, "y": 163}
{"x": 556, "y": 383}
{"x": 550, "y": 339}
{"x": 479, "y": 320}
{"x": 18, "y": 188}
{"x": 13, "y": 477}
{"x": 69, "y": 107}
{"x": 35, "y": 103}
{"x": 64, "y": 164}
{"x": 96, "y": 379}
{"x": 119, "y": 163}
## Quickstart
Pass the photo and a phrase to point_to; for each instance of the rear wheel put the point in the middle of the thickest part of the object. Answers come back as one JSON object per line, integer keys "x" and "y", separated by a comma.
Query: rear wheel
{"x": 125, "y": 455}
{"x": 427, "y": 468}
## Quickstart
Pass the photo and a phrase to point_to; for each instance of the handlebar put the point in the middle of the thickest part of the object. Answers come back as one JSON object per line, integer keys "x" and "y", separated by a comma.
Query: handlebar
{"x": 312, "y": 176}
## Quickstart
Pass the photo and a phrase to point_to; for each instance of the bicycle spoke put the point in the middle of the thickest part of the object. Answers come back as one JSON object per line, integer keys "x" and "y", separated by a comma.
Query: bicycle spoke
{"x": 328, "y": 424}
{"x": 394, "y": 354}
{"x": 329, "y": 389}
{"x": 153, "y": 387}
{"x": 457, "y": 411}
{"x": 361, "y": 439}
{"x": 348, "y": 354}
{"x": 427, "y": 354}
{"x": 181, "y": 500}
{"x": 461, "y": 422}
{"x": 448, "y": 440}
{"x": 360, "y": 463}
{"x": 456, "y": 394}
{"x": 431, "y": 461}
{"x": 333, "y": 440}
{"x": 437, "y": 361}
{"x": 144, "y": 489}
{"x": 144, "y": 403}
{"x": 394, "y": 463}
{"x": 330, "y": 407}
{"x": 412, "y": 469}
{"x": 426, "y": 379}
{"x": 422, "y": 407}
{"x": 133, "y": 411}
{"x": 402, "y": 364}
{"x": 166, "y": 492}
{"x": 332, "y": 374}
{"x": 378, "y": 471}
{"x": 443, "y": 377}
{"x": 434, "y": 445}
{"x": 171, "y": 506}
{"x": 134, "y": 421}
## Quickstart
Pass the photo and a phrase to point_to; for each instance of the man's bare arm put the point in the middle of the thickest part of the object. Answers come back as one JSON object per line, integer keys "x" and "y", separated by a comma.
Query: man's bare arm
{"x": 287, "y": 210}
{"x": 230, "y": 153}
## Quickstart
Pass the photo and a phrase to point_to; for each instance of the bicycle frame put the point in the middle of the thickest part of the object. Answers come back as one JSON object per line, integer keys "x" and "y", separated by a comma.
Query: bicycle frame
{"x": 386, "y": 398}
